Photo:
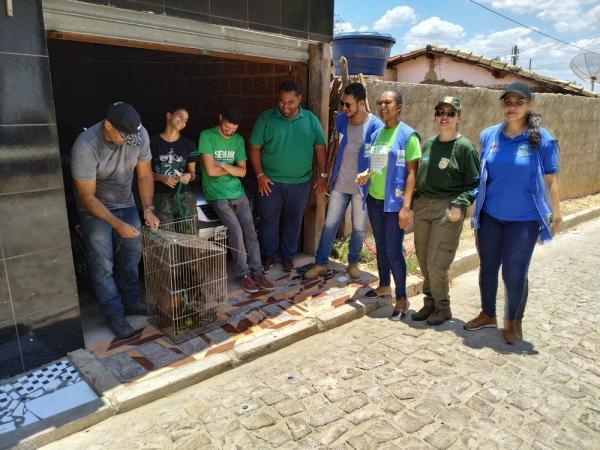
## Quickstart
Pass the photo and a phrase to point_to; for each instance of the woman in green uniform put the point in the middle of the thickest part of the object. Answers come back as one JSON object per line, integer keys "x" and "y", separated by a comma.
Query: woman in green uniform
{"x": 447, "y": 179}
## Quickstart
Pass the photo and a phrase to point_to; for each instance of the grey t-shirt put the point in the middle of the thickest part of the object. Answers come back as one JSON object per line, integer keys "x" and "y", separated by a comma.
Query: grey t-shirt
{"x": 345, "y": 181}
{"x": 111, "y": 165}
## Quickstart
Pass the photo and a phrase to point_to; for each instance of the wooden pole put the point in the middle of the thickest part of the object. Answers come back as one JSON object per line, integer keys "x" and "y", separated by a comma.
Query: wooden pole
{"x": 319, "y": 79}
{"x": 344, "y": 71}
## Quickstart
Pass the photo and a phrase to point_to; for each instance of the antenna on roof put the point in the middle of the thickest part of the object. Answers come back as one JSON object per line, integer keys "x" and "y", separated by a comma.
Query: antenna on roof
{"x": 587, "y": 67}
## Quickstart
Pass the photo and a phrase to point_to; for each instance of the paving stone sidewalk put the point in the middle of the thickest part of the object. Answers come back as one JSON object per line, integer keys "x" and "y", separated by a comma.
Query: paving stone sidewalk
{"x": 378, "y": 384}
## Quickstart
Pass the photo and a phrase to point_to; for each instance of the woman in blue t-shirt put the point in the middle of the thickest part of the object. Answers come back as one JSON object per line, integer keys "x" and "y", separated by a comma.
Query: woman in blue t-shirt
{"x": 517, "y": 203}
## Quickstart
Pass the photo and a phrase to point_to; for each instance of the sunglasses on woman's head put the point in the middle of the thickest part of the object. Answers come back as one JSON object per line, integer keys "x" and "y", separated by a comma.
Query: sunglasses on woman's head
{"x": 441, "y": 113}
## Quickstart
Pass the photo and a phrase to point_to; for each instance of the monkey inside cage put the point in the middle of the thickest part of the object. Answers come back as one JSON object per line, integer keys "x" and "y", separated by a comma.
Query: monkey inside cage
{"x": 186, "y": 278}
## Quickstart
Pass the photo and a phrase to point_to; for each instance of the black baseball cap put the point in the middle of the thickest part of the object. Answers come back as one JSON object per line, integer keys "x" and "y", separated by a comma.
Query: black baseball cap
{"x": 521, "y": 89}
{"x": 124, "y": 118}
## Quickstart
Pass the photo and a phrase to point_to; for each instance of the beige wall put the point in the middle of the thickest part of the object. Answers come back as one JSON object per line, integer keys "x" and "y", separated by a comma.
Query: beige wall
{"x": 574, "y": 120}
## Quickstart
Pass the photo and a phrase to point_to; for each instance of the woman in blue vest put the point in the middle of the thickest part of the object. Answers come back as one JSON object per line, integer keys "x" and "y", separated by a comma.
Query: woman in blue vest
{"x": 390, "y": 183}
{"x": 517, "y": 203}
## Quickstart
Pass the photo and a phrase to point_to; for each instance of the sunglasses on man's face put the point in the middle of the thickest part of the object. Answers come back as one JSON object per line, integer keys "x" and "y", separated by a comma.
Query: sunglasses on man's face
{"x": 442, "y": 112}
{"x": 346, "y": 105}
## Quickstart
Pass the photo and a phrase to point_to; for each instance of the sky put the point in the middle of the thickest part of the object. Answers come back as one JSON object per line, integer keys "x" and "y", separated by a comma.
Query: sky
{"x": 461, "y": 24}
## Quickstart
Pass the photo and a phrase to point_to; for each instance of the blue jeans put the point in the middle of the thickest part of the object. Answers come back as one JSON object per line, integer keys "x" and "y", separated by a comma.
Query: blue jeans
{"x": 511, "y": 245}
{"x": 388, "y": 243}
{"x": 236, "y": 215}
{"x": 112, "y": 261}
{"x": 286, "y": 204}
{"x": 336, "y": 209}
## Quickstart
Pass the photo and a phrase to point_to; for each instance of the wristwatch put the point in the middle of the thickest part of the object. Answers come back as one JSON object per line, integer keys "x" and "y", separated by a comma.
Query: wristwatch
{"x": 150, "y": 207}
{"x": 222, "y": 163}
{"x": 323, "y": 175}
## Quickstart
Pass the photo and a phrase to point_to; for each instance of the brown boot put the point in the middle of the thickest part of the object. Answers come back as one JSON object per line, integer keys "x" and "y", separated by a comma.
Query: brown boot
{"x": 481, "y": 321}
{"x": 439, "y": 317}
{"x": 353, "y": 271}
{"x": 509, "y": 333}
{"x": 423, "y": 313}
{"x": 315, "y": 271}
{"x": 519, "y": 328}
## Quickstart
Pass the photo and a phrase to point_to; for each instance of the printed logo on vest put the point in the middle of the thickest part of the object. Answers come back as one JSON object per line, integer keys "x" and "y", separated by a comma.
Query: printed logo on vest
{"x": 443, "y": 163}
{"x": 523, "y": 150}
{"x": 399, "y": 192}
{"x": 401, "y": 158}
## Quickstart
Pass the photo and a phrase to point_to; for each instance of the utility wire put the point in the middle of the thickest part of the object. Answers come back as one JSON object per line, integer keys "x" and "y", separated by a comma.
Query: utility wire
{"x": 533, "y": 29}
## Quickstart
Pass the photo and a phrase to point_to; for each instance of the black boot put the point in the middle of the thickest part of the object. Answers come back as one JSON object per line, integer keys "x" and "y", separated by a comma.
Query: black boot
{"x": 120, "y": 327}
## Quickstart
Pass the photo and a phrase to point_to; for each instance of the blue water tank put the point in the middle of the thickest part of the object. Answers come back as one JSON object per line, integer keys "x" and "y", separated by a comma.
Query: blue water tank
{"x": 367, "y": 53}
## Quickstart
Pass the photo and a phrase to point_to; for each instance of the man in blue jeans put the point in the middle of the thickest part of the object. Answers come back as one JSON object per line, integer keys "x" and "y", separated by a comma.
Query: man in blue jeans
{"x": 355, "y": 127}
{"x": 103, "y": 160}
{"x": 282, "y": 145}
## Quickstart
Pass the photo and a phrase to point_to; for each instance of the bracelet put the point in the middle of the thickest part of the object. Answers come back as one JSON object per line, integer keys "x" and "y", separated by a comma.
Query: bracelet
{"x": 557, "y": 219}
{"x": 150, "y": 207}
{"x": 260, "y": 175}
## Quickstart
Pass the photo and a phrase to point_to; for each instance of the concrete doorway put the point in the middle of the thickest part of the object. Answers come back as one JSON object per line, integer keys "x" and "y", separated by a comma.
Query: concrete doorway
{"x": 86, "y": 77}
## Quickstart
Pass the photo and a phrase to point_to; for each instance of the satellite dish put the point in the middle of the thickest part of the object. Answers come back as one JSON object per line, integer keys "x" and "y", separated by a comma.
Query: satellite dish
{"x": 587, "y": 67}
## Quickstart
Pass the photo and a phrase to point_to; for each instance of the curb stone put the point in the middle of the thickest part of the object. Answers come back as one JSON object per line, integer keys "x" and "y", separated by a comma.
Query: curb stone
{"x": 124, "y": 398}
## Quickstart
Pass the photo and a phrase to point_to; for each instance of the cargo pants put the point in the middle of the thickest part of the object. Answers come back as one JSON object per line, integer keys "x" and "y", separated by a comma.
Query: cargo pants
{"x": 436, "y": 242}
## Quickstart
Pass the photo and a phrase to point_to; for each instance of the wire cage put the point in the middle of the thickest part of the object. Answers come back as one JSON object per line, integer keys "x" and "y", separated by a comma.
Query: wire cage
{"x": 186, "y": 278}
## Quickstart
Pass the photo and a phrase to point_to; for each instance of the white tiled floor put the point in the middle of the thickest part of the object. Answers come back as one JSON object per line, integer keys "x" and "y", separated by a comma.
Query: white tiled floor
{"x": 42, "y": 393}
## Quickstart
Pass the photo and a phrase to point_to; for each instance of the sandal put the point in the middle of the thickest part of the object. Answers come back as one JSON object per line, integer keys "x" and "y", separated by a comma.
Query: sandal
{"x": 381, "y": 291}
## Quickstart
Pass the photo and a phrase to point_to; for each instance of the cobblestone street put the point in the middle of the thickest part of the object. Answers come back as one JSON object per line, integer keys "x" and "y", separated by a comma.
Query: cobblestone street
{"x": 374, "y": 383}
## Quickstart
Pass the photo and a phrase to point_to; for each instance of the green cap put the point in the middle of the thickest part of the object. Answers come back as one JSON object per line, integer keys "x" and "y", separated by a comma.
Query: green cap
{"x": 452, "y": 101}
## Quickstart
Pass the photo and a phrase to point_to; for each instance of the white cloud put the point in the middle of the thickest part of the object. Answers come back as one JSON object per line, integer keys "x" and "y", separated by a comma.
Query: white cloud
{"x": 499, "y": 43}
{"x": 548, "y": 57}
{"x": 347, "y": 27}
{"x": 565, "y": 15}
{"x": 343, "y": 27}
{"x": 433, "y": 31}
{"x": 395, "y": 17}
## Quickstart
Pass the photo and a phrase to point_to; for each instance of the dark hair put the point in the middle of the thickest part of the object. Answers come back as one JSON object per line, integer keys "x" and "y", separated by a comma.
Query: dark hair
{"x": 357, "y": 90}
{"x": 232, "y": 115}
{"x": 534, "y": 122}
{"x": 177, "y": 108}
{"x": 289, "y": 86}
{"x": 397, "y": 95}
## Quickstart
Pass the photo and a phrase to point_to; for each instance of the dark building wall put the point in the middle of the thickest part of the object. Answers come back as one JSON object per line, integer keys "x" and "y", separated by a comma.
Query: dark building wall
{"x": 39, "y": 312}
{"x": 87, "y": 77}
{"x": 306, "y": 19}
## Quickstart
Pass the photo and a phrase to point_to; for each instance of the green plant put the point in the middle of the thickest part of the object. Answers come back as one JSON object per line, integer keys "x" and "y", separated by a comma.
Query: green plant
{"x": 340, "y": 252}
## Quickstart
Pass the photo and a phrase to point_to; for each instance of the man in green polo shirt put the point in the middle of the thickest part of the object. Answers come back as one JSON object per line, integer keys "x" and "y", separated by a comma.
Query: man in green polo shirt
{"x": 223, "y": 157}
{"x": 282, "y": 146}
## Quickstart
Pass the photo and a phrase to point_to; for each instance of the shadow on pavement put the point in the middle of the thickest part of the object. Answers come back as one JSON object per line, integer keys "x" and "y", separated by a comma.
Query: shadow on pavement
{"x": 485, "y": 338}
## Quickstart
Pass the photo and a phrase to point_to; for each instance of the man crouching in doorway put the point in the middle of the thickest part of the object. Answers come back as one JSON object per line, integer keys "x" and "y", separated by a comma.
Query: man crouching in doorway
{"x": 103, "y": 160}
{"x": 223, "y": 157}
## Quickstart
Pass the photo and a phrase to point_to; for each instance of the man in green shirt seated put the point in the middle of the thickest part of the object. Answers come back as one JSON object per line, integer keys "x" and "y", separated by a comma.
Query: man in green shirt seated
{"x": 282, "y": 146}
{"x": 223, "y": 159}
